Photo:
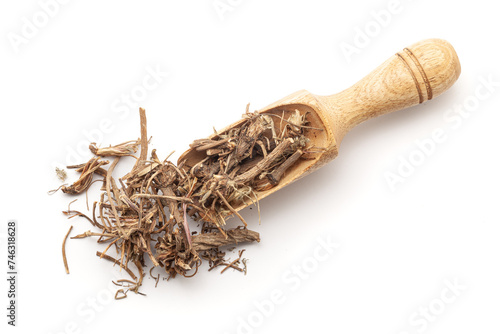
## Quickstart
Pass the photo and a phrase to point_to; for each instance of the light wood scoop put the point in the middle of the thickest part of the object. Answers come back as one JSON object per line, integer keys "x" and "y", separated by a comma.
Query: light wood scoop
{"x": 412, "y": 76}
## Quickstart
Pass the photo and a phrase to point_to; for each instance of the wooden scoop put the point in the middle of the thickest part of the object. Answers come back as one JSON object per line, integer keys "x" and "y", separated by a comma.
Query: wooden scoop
{"x": 412, "y": 76}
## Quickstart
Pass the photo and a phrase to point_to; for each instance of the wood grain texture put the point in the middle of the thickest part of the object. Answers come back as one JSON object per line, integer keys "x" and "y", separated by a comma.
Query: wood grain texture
{"x": 412, "y": 76}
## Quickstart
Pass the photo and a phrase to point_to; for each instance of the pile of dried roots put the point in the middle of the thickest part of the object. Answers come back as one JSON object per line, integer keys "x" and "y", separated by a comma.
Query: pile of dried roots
{"x": 146, "y": 213}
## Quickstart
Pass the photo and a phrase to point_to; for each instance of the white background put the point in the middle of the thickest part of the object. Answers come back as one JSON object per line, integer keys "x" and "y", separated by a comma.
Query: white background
{"x": 399, "y": 249}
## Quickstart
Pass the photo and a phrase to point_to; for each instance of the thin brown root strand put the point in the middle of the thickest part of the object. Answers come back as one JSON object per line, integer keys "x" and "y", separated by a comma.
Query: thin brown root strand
{"x": 109, "y": 258}
{"x": 231, "y": 265}
{"x": 106, "y": 249}
{"x": 65, "y": 260}
{"x": 120, "y": 294}
{"x": 69, "y": 204}
{"x": 232, "y": 209}
{"x": 53, "y": 191}
{"x": 195, "y": 271}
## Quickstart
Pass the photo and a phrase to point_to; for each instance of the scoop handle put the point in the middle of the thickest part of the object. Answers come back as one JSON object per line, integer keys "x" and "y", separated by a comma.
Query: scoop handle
{"x": 414, "y": 75}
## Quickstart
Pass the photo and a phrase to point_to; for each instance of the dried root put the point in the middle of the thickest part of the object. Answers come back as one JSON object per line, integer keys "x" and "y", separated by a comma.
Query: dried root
{"x": 145, "y": 213}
